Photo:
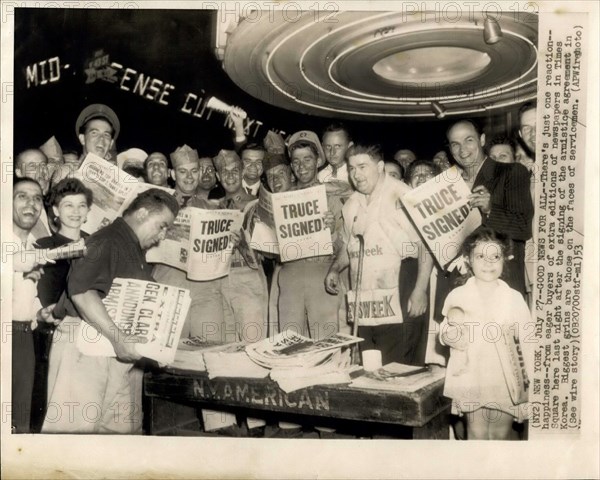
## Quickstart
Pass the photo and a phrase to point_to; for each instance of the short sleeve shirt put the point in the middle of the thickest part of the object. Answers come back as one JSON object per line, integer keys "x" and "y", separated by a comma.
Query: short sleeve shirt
{"x": 112, "y": 252}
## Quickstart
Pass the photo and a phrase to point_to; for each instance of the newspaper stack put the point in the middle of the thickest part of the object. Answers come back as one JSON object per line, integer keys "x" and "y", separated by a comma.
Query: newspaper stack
{"x": 190, "y": 354}
{"x": 150, "y": 310}
{"x": 336, "y": 370}
{"x": 298, "y": 362}
{"x": 399, "y": 377}
{"x": 232, "y": 361}
{"x": 229, "y": 360}
{"x": 289, "y": 349}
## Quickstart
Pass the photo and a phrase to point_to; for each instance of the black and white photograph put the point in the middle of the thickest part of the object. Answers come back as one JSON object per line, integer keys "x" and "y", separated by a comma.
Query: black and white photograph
{"x": 440, "y": 264}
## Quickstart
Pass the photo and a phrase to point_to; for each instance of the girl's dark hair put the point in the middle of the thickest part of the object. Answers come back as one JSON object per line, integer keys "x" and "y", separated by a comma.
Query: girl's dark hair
{"x": 410, "y": 170}
{"x": 485, "y": 234}
{"x": 69, "y": 186}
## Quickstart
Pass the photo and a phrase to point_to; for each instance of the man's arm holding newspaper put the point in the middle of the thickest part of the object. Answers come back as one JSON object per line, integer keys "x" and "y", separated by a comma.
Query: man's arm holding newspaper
{"x": 92, "y": 310}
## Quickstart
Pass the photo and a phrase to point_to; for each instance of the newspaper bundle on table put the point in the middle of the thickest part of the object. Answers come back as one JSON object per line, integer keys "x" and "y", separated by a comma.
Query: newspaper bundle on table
{"x": 199, "y": 243}
{"x": 229, "y": 360}
{"x": 150, "y": 310}
{"x": 335, "y": 370}
{"x": 291, "y": 224}
{"x": 232, "y": 361}
{"x": 113, "y": 191}
{"x": 440, "y": 210}
{"x": 399, "y": 377}
{"x": 289, "y": 349}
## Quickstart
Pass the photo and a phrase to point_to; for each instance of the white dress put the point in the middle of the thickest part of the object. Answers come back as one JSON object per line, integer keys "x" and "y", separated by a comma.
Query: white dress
{"x": 480, "y": 383}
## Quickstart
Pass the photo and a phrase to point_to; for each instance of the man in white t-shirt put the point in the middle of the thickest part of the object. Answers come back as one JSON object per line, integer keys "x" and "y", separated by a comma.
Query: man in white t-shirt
{"x": 375, "y": 213}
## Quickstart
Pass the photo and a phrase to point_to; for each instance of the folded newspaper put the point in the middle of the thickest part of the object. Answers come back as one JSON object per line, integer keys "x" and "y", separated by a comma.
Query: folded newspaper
{"x": 513, "y": 365}
{"x": 334, "y": 371}
{"x": 448, "y": 225}
{"x": 399, "y": 377}
{"x": 199, "y": 243}
{"x": 229, "y": 360}
{"x": 113, "y": 189}
{"x": 232, "y": 361}
{"x": 289, "y": 349}
{"x": 70, "y": 250}
{"x": 190, "y": 354}
{"x": 150, "y": 310}
{"x": 291, "y": 223}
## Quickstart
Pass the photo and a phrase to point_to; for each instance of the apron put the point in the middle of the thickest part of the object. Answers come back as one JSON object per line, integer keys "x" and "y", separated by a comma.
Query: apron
{"x": 379, "y": 302}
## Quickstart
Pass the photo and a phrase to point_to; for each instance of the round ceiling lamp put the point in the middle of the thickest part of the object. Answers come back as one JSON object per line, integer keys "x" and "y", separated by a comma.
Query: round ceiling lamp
{"x": 436, "y": 64}
{"x": 383, "y": 65}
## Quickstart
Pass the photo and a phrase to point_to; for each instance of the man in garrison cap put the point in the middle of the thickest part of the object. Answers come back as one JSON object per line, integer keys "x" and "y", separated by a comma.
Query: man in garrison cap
{"x": 304, "y": 305}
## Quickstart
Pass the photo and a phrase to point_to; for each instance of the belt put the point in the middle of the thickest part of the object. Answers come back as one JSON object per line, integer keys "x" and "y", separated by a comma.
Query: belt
{"x": 238, "y": 263}
{"x": 19, "y": 326}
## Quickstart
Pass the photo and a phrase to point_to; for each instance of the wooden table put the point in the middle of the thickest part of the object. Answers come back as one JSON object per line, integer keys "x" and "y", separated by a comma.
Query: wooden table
{"x": 173, "y": 395}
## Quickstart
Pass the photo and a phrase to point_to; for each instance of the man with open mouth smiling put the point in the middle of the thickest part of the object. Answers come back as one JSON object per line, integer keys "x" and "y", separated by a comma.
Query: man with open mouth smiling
{"x": 97, "y": 128}
{"x": 26, "y": 307}
{"x": 304, "y": 305}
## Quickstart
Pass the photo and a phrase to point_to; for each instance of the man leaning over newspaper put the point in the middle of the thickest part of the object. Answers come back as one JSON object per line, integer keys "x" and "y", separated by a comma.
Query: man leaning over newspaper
{"x": 94, "y": 394}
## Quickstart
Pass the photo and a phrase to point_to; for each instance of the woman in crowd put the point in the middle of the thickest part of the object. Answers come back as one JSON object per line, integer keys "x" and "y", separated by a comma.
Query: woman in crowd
{"x": 70, "y": 202}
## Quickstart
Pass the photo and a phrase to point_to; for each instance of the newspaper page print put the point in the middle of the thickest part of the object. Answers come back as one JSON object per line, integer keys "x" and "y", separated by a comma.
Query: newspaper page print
{"x": 555, "y": 395}
{"x": 137, "y": 307}
{"x": 175, "y": 248}
{"x": 164, "y": 339}
{"x": 440, "y": 210}
{"x": 264, "y": 237}
{"x": 211, "y": 244}
{"x": 301, "y": 231}
{"x": 111, "y": 187}
{"x": 140, "y": 188}
{"x": 375, "y": 307}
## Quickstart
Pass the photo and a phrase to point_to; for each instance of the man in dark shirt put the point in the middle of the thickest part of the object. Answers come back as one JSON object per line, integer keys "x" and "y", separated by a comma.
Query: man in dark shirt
{"x": 89, "y": 394}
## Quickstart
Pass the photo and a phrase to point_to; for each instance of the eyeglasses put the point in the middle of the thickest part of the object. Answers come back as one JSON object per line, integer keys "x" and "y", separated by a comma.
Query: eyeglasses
{"x": 527, "y": 129}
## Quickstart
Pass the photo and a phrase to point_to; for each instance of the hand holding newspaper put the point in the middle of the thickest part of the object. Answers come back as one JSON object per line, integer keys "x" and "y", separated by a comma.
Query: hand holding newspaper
{"x": 292, "y": 223}
{"x": 440, "y": 210}
{"x": 113, "y": 191}
{"x": 199, "y": 243}
{"x": 70, "y": 250}
{"x": 150, "y": 310}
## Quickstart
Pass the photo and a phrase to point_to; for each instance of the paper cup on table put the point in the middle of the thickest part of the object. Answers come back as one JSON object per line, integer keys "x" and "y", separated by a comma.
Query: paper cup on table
{"x": 371, "y": 360}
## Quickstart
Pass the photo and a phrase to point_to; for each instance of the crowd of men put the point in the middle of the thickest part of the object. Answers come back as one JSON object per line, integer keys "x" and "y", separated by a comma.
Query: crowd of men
{"x": 261, "y": 295}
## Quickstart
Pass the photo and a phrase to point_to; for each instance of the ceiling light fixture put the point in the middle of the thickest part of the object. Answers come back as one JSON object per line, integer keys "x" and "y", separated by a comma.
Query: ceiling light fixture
{"x": 438, "y": 109}
{"x": 492, "y": 33}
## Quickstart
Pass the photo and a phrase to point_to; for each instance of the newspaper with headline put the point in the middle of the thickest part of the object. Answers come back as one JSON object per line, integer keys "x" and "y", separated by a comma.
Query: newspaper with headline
{"x": 291, "y": 223}
{"x": 199, "y": 243}
{"x": 150, "y": 310}
{"x": 113, "y": 190}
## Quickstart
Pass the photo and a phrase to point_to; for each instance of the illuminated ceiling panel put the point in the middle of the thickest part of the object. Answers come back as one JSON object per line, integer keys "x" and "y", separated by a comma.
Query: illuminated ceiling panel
{"x": 377, "y": 65}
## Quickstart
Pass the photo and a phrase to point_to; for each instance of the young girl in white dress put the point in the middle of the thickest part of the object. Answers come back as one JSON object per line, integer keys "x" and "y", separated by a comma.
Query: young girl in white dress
{"x": 476, "y": 315}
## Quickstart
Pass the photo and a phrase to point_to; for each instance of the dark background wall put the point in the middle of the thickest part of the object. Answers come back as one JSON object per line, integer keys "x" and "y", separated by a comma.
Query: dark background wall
{"x": 175, "y": 47}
